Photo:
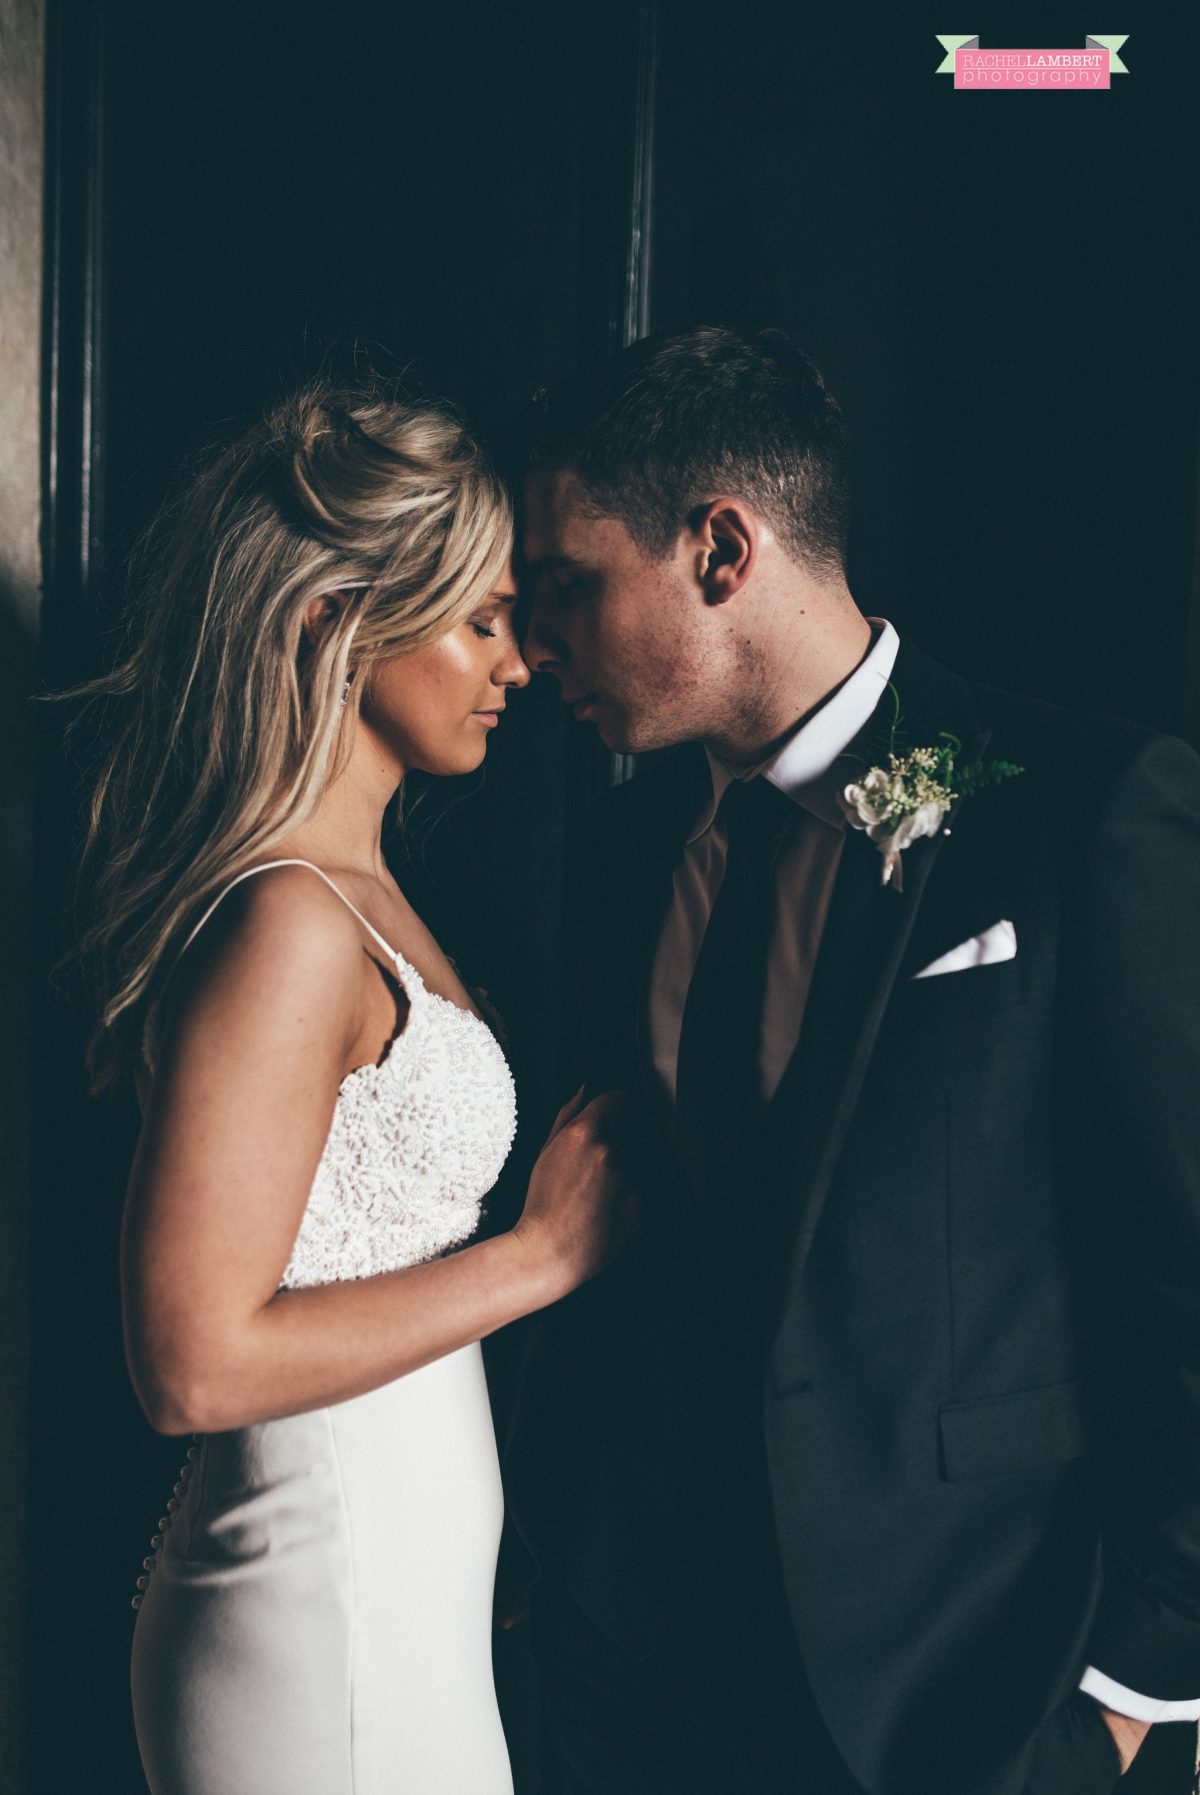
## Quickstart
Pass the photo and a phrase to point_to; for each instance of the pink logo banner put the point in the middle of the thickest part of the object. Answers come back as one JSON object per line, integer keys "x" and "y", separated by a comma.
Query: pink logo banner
{"x": 1049, "y": 71}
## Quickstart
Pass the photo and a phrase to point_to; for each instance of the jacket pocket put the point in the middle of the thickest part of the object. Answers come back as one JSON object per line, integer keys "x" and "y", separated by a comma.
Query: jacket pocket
{"x": 975, "y": 991}
{"x": 1006, "y": 1434}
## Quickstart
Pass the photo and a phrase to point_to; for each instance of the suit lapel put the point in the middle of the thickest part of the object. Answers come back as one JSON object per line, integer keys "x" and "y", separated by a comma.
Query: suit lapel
{"x": 867, "y": 929}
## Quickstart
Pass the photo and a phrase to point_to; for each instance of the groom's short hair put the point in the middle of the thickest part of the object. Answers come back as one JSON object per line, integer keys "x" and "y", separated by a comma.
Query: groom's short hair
{"x": 676, "y": 419}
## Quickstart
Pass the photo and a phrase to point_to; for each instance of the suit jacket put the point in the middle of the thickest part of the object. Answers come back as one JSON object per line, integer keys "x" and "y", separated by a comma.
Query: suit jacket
{"x": 980, "y": 1376}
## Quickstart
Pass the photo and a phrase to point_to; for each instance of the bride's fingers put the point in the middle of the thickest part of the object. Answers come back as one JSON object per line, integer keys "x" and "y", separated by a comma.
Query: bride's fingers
{"x": 611, "y": 1105}
{"x": 512, "y": 1610}
{"x": 567, "y": 1113}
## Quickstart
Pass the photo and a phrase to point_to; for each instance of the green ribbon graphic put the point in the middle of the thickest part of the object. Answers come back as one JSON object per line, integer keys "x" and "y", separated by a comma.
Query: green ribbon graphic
{"x": 951, "y": 44}
{"x": 1112, "y": 45}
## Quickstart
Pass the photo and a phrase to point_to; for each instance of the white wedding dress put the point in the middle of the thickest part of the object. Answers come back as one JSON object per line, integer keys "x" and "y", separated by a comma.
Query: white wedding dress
{"x": 316, "y": 1615}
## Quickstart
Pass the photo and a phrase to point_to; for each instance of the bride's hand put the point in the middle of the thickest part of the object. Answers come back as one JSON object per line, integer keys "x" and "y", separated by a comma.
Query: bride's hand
{"x": 581, "y": 1205}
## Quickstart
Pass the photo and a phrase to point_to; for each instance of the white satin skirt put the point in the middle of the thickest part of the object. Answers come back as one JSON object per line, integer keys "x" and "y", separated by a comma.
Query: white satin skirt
{"x": 318, "y": 1618}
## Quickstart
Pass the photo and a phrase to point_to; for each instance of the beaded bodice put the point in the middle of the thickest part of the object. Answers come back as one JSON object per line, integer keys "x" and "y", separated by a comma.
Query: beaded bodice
{"x": 415, "y": 1143}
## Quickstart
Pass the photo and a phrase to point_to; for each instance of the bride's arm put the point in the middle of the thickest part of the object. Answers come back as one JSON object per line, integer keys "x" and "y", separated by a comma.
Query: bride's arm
{"x": 265, "y": 1024}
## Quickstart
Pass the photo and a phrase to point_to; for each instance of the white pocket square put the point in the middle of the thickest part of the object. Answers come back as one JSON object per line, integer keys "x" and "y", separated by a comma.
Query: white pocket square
{"x": 997, "y": 943}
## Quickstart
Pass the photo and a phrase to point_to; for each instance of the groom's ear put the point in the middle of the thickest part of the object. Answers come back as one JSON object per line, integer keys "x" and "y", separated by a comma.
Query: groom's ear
{"x": 726, "y": 540}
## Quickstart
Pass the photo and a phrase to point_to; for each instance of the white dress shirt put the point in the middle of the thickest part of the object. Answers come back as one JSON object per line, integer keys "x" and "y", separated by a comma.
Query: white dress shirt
{"x": 807, "y": 769}
{"x": 810, "y": 767}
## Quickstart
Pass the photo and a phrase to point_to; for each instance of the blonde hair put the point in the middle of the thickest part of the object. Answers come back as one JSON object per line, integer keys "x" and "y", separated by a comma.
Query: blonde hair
{"x": 227, "y": 722}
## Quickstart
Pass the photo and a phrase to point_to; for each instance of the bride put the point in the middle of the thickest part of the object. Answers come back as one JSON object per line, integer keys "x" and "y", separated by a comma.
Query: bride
{"x": 325, "y": 608}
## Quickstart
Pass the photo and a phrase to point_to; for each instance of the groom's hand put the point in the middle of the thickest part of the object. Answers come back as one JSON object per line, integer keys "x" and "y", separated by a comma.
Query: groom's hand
{"x": 1128, "y": 1735}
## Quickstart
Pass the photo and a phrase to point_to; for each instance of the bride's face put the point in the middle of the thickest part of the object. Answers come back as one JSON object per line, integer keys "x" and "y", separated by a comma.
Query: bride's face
{"x": 435, "y": 707}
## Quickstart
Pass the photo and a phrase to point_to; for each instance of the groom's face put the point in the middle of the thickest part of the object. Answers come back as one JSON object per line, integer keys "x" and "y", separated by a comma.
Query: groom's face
{"x": 618, "y": 629}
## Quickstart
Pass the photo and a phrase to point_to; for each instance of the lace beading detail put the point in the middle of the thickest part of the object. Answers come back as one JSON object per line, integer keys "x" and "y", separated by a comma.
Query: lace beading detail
{"x": 415, "y": 1145}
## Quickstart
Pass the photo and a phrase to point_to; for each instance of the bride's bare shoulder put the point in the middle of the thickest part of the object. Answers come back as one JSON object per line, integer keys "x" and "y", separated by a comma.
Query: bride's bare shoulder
{"x": 280, "y": 952}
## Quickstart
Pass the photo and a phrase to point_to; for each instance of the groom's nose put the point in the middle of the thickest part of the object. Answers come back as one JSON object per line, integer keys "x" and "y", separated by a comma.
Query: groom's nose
{"x": 544, "y": 651}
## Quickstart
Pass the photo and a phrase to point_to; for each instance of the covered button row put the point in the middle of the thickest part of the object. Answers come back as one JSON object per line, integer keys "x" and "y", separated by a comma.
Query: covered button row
{"x": 164, "y": 1521}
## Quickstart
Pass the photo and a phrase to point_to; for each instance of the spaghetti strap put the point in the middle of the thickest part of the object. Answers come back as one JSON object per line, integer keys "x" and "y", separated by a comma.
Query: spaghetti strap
{"x": 266, "y": 865}
{"x": 410, "y": 978}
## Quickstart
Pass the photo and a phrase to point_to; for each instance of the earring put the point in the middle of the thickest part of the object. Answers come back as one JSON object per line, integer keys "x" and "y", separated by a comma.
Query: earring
{"x": 346, "y": 689}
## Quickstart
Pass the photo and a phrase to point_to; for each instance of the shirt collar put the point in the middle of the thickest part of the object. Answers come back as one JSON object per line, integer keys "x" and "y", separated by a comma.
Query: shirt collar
{"x": 802, "y": 768}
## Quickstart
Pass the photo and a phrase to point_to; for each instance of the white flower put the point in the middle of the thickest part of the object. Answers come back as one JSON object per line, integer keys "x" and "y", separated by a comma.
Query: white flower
{"x": 910, "y": 828}
{"x": 867, "y": 804}
{"x": 897, "y": 804}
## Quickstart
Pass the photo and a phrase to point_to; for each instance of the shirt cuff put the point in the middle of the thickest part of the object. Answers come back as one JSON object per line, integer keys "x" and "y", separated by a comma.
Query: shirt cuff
{"x": 1130, "y": 1703}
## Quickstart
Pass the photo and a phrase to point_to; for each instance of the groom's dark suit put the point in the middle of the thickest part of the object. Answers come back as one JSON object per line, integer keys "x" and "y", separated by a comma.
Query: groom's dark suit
{"x": 978, "y": 1201}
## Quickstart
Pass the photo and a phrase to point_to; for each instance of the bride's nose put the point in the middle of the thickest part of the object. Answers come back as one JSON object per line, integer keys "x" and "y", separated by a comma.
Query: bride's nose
{"x": 513, "y": 670}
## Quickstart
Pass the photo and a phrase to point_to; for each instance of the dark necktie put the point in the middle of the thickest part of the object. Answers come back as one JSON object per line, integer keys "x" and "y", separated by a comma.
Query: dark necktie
{"x": 724, "y": 1227}
{"x": 718, "y": 1082}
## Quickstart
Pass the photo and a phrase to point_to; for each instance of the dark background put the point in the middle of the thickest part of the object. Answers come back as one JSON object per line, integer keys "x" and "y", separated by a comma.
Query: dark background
{"x": 1000, "y": 288}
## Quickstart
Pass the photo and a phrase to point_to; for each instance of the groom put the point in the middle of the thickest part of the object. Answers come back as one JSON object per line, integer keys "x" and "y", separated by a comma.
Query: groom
{"x": 873, "y": 1467}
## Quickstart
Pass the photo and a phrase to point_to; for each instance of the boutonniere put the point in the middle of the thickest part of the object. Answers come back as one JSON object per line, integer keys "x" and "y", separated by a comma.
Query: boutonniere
{"x": 898, "y": 803}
